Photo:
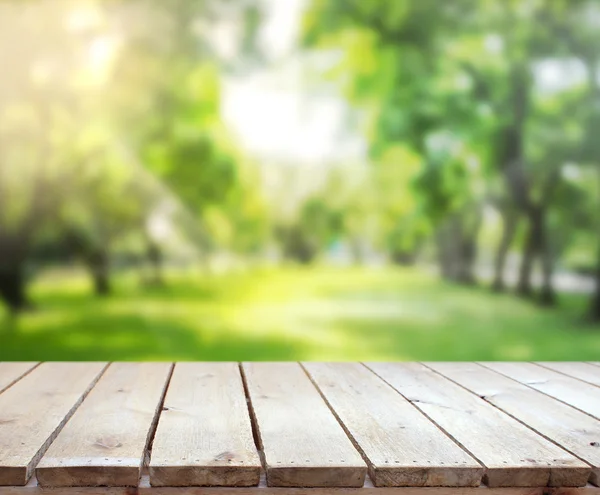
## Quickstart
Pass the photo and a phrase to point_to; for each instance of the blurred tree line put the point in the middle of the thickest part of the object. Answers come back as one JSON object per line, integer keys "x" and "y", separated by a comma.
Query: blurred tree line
{"x": 109, "y": 116}
{"x": 110, "y": 126}
{"x": 454, "y": 87}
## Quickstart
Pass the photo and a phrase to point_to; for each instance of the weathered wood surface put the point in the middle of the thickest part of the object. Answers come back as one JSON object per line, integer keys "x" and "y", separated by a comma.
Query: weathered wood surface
{"x": 10, "y": 373}
{"x": 569, "y": 390}
{"x": 512, "y": 454}
{"x": 303, "y": 429}
{"x": 583, "y": 371}
{"x": 204, "y": 436}
{"x": 575, "y": 431}
{"x": 401, "y": 446}
{"x": 105, "y": 441}
{"x": 34, "y": 410}
{"x": 302, "y": 441}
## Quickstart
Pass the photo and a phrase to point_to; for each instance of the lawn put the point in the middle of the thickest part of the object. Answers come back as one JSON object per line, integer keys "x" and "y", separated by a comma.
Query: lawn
{"x": 315, "y": 314}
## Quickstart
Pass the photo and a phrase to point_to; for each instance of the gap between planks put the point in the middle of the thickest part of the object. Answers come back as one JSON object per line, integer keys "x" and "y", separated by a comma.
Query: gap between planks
{"x": 561, "y": 424}
{"x": 204, "y": 435}
{"x": 585, "y": 372}
{"x": 256, "y": 433}
{"x": 284, "y": 401}
{"x": 12, "y": 372}
{"x": 106, "y": 441}
{"x": 505, "y": 446}
{"x": 401, "y": 446}
{"x": 34, "y": 411}
{"x": 571, "y": 391}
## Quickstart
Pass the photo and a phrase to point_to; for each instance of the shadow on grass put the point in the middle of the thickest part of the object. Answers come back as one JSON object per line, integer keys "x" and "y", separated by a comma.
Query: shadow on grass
{"x": 131, "y": 337}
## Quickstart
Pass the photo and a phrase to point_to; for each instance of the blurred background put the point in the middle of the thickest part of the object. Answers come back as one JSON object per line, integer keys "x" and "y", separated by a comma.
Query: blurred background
{"x": 299, "y": 179}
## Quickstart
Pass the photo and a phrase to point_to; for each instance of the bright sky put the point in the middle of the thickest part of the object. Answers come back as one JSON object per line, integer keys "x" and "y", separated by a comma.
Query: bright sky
{"x": 273, "y": 114}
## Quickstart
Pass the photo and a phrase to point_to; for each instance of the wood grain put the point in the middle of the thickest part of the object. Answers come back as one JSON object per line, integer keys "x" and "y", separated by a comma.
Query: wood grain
{"x": 204, "y": 435}
{"x": 573, "y": 430}
{"x": 105, "y": 441}
{"x": 583, "y": 371}
{"x": 33, "y": 411}
{"x": 512, "y": 454}
{"x": 401, "y": 446}
{"x": 303, "y": 443}
{"x": 11, "y": 372}
{"x": 569, "y": 390}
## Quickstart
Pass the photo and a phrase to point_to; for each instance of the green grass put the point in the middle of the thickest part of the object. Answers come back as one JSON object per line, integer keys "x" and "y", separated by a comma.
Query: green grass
{"x": 317, "y": 314}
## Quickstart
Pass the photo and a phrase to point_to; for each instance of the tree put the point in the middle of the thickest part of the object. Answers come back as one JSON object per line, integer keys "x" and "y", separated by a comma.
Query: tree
{"x": 468, "y": 70}
{"x": 165, "y": 95}
{"x": 396, "y": 177}
{"x": 108, "y": 203}
{"x": 34, "y": 178}
{"x": 393, "y": 68}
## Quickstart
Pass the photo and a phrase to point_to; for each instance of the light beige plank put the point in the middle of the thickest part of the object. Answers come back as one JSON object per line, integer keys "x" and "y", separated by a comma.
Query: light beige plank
{"x": 12, "y": 372}
{"x": 572, "y": 391}
{"x": 583, "y": 371}
{"x": 34, "y": 410}
{"x": 303, "y": 443}
{"x": 401, "y": 446}
{"x": 512, "y": 454}
{"x": 573, "y": 430}
{"x": 105, "y": 441}
{"x": 204, "y": 435}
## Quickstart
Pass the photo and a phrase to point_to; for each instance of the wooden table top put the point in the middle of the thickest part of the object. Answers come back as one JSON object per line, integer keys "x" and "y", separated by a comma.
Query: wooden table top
{"x": 294, "y": 428}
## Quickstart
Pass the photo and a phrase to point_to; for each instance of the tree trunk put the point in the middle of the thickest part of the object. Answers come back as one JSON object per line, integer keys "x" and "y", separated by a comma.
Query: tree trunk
{"x": 155, "y": 257}
{"x": 514, "y": 170}
{"x": 447, "y": 252}
{"x": 537, "y": 246}
{"x": 403, "y": 258}
{"x": 594, "y": 87}
{"x": 530, "y": 252}
{"x": 509, "y": 229}
{"x": 12, "y": 287}
{"x": 547, "y": 293}
{"x": 468, "y": 247}
{"x": 100, "y": 270}
{"x": 595, "y": 303}
{"x": 457, "y": 248}
{"x": 14, "y": 249}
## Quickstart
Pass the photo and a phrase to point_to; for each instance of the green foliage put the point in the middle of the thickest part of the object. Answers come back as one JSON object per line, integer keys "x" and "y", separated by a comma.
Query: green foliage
{"x": 459, "y": 84}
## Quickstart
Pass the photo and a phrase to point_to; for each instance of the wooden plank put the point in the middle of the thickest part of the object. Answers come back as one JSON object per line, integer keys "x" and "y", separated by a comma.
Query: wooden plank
{"x": 303, "y": 443}
{"x": 33, "y": 411}
{"x": 105, "y": 441}
{"x": 569, "y": 390}
{"x": 573, "y": 430}
{"x": 204, "y": 436}
{"x": 401, "y": 446}
{"x": 12, "y": 372}
{"x": 583, "y": 371}
{"x": 512, "y": 454}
